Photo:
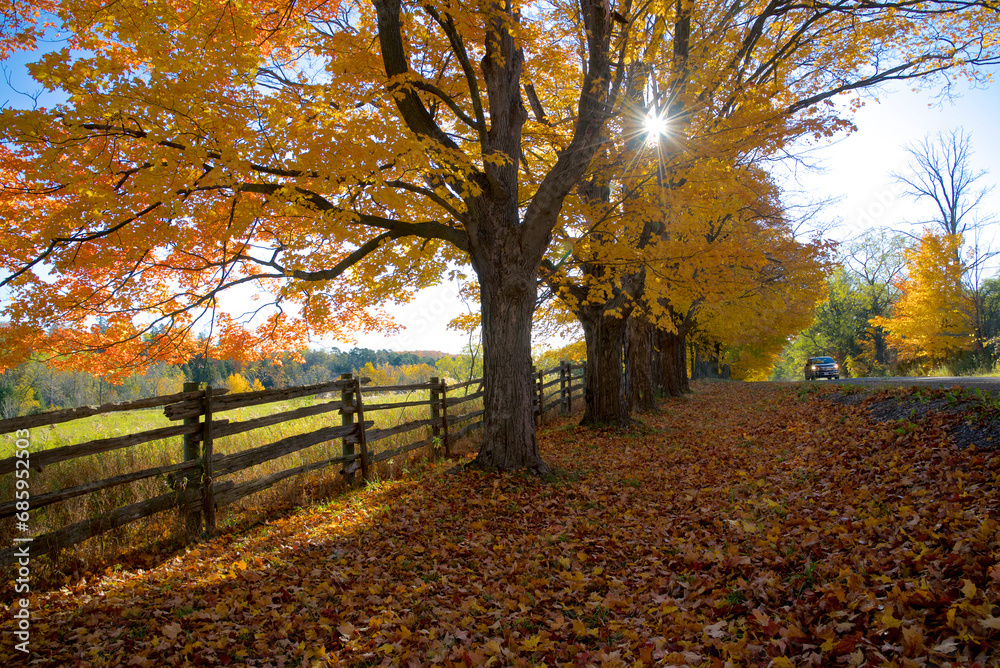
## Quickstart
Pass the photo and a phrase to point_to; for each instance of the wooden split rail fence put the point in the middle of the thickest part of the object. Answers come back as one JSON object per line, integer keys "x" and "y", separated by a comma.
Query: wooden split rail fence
{"x": 197, "y": 481}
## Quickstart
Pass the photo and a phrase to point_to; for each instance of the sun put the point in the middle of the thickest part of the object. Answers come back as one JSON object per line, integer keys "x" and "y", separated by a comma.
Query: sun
{"x": 655, "y": 126}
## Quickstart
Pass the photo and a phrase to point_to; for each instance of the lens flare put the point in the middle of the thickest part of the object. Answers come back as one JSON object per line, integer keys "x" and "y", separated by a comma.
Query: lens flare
{"x": 655, "y": 126}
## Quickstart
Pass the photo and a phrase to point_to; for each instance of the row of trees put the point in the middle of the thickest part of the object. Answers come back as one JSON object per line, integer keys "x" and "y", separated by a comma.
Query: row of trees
{"x": 35, "y": 386}
{"x": 341, "y": 155}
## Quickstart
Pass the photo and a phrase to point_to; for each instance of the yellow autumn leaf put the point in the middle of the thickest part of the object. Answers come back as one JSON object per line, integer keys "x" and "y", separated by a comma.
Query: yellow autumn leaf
{"x": 887, "y": 618}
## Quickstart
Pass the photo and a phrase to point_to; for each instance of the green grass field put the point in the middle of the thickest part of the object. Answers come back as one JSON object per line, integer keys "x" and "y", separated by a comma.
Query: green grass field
{"x": 165, "y": 527}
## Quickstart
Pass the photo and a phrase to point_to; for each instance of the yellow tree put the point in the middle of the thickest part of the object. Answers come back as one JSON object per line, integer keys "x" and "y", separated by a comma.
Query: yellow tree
{"x": 738, "y": 275}
{"x": 932, "y": 319}
{"x": 285, "y": 145}
{"x": 775, "y": 300}
{"x": 732, "y": 85}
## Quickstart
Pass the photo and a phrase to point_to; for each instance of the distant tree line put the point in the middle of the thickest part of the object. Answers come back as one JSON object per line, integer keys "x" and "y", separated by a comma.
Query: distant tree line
{"x": 904, "y": 304}
{"x": 36, "y": 386}
{"x": 895, "y": 307}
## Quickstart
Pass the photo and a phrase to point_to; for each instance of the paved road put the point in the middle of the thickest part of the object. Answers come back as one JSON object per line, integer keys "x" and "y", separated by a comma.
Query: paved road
{"x": 985, "y": 384}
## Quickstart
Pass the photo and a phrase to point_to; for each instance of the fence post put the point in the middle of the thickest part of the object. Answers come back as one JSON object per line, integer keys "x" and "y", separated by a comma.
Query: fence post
{"x": 569, "y": 388}
{"x": 362, "y": 436}
{"x": 541, "y": 396}
{"x": 207, "y": 468}
{"x": 444, "y": 417}
{"x": 562, "y": 385}
{"x": 435, "y": 412}
{"x": 192, "y": 450}
{"x": 347, "y": 419}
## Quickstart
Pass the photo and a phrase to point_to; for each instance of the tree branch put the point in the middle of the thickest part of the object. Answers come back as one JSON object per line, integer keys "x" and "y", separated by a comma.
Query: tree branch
{"x": 411, "y": 108}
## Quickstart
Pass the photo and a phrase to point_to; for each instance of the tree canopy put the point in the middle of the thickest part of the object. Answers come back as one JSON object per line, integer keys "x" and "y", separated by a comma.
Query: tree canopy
{"x": 340, "y": 155}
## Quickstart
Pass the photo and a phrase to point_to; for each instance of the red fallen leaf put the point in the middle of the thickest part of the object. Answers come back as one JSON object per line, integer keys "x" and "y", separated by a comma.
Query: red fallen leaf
{"x": 847, "y": 644}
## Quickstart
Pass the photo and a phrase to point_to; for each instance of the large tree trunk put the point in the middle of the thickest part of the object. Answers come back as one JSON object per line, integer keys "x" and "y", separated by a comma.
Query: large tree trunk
{"x": 507, "y": 266}
{"x": 639, "y": 364}
{"x": 682, "y": 360}
{"x": 605, "y": 400}
{"x": 673, "y": 365}
{"x": 508, "y": 295}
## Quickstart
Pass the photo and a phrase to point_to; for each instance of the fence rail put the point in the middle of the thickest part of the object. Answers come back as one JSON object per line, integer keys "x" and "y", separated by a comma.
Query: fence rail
{"x": 197, "y": 487}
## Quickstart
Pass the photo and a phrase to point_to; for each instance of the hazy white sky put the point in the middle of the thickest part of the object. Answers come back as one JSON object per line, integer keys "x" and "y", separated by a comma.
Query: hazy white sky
{"x": 426, "y": 320}
{"x": 857, "y": 168}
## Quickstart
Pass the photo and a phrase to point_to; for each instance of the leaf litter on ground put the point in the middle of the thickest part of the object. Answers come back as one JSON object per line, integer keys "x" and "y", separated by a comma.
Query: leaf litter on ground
{"x": 743, "y": 525}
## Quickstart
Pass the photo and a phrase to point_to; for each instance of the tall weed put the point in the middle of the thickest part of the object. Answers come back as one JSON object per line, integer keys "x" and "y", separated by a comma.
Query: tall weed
{"x": 166, "y": 529}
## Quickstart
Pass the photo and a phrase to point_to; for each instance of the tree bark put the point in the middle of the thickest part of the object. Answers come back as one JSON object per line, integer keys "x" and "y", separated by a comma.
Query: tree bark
{"x": 605, "y": 399}
{"x": 508, "y": 292}
{"x": 682, "y": 361}
{"x": 656, "y": 367}
{"x": 673, "y": 365}
{"x": 639, "y": 364}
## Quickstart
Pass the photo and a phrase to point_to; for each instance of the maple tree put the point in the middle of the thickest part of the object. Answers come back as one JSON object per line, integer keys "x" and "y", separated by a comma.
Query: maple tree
{"x": 726, "y": 254}
{"x": 754, "y": 285}
{"x": 311, "y": 141}
{"x": 731, "y": 88}
{"x": 933, "y": 317}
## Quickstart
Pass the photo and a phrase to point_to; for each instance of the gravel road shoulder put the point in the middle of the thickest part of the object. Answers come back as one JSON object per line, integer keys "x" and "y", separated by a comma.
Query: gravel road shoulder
{"x": 969, "y": 416}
